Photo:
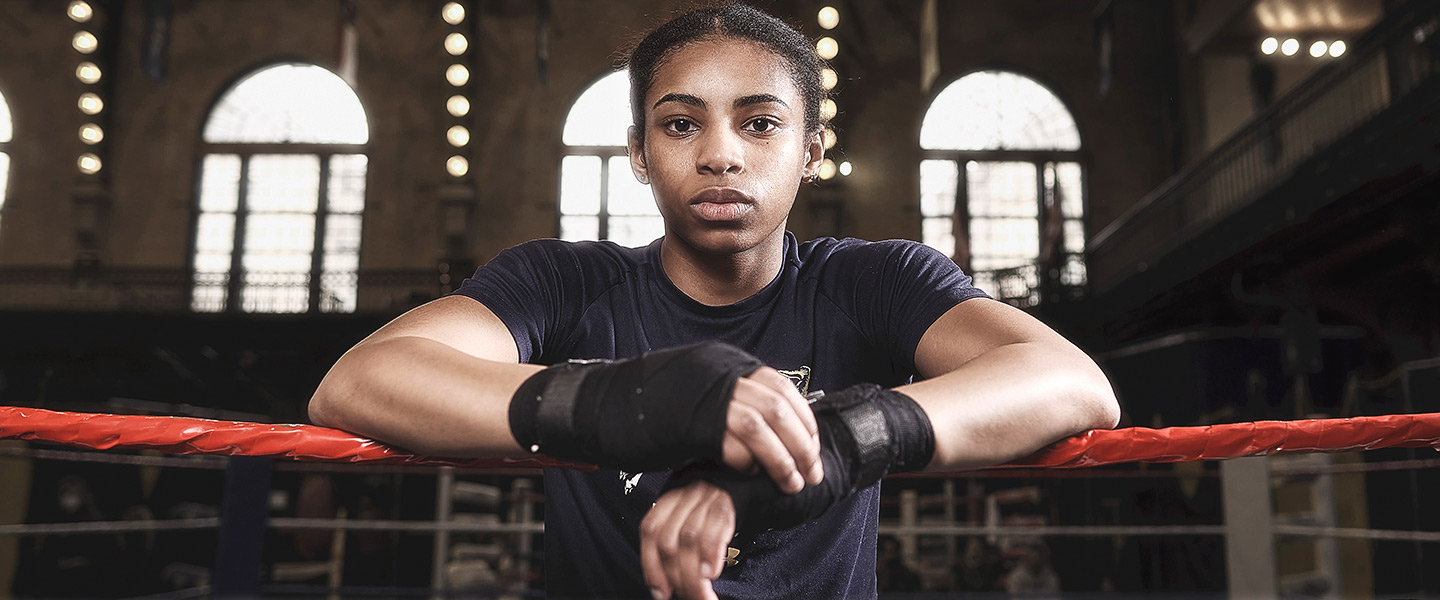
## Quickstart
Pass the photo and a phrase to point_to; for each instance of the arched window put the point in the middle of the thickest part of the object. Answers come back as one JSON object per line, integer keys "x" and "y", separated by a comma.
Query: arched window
{"x": 1001, "y": 186}
{"x": 599, "y": 196}
{"x": 282, "y": 189}
{"x": 6, "y": 131}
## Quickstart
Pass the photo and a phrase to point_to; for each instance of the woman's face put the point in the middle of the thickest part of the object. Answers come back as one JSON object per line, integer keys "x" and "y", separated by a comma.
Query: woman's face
{"x": 725, "y": 146}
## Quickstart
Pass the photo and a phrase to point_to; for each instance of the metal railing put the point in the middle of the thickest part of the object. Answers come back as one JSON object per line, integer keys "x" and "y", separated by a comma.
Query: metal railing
{"x": 176, "y": 290}
{"x": 1395, "y": 57}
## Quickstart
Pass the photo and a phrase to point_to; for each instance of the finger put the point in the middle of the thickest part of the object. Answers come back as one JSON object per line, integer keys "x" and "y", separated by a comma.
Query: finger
{"x": 706, "y": 529}
{"x": 720, "y": 517}
{"x": 736, "y": 456}
{"x": 798, "y": 450}
{"x": 675, "y": 542}
{"x": 652, "y": 528}
{"x": 750, "y": 426}
{"x": 783, "y": 385}
{"x": 813, "y": 470}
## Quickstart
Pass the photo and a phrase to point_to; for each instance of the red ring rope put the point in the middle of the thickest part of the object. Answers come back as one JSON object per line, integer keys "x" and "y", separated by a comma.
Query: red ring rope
{"x": 185, "y": 435}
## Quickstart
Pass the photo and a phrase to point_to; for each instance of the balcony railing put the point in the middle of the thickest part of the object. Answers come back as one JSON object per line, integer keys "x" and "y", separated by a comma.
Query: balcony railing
{"x": 174, "y": 290}
{"x": 1398, "y": 56}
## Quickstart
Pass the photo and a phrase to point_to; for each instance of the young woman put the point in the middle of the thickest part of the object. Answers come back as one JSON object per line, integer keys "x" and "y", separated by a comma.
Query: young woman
{"x": 712, "y": 336}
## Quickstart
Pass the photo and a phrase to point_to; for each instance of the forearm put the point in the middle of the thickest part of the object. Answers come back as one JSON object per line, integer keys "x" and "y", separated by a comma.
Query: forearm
{"x": 1012, "y": 401}
{"x": 424, "y": 396}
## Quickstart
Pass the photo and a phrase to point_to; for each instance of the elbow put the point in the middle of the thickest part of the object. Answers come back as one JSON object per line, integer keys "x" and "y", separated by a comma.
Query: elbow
{"x": 329, "y": 402}
{"x": 1104, "y": 407}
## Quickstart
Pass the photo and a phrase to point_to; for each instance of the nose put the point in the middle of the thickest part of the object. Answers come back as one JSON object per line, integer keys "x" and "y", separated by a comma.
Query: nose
{"x": 720, "y": 153}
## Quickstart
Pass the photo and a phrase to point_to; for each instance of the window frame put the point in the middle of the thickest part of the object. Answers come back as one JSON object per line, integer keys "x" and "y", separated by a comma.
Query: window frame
{"x": 235, "y": 276}
{"x": 1041, "y": 159}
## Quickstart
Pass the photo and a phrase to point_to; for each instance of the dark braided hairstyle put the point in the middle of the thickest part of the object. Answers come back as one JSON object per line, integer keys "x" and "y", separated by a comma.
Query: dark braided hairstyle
{"x": 729, "y": 21}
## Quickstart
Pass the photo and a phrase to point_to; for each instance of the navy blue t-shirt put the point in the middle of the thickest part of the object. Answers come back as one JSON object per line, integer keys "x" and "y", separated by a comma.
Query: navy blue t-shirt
{"x": 840, "y": 312}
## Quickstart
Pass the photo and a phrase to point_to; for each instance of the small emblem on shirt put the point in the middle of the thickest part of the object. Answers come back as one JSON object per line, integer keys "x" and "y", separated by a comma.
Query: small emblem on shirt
{"x": 800, "y": 377}
{"x": 630, "y": 481}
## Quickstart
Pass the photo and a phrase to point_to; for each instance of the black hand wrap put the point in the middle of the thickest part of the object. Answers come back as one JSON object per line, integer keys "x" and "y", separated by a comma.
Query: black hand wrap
{"x": 657, "y": 411}
{"x": 865, "y": 432}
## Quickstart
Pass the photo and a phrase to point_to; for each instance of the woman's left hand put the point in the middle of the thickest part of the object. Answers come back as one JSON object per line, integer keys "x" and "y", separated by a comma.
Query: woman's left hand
{"x": 684, "y": 539}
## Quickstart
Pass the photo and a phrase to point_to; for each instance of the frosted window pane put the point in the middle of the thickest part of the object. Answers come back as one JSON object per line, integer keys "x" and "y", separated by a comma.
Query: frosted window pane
{"x": 294, "y": 103}
{"x": 1072, "y": 197}
{"x": 939, "y": 233}
{"x": 338, "y": 291}
{"x": 1014, "y": 240}
{"x": 996, "y": 110}
{"x": 1074, "y": 235}
{"x": 938, "y": 183}
{"x": 4, "y": 176}
{"x": 283, "y": 183}
{"x": 279, "y": 242}
{"x": 627, "y": 195}
{"x": 215, "y": 235}
{"x": 7, "y": 128}
{"x": 1001, "y": 189}
{"x": 342, "y": 235}
{"x": 577, "y": 229}
{"x": 580, "y": 185}
{"x": 601, "y": 115}
{"x": 347, "y": 183}
{"x": 220, "y": 183}
{"x": 636, "y": 231}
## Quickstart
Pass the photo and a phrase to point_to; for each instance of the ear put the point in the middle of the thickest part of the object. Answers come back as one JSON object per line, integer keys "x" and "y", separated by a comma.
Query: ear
{"x": 636, "y": 148}
{"x": 814, "y": 155}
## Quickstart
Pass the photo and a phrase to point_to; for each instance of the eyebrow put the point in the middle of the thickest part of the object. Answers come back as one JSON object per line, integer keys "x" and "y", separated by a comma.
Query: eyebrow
{"x": 739, "y": 102}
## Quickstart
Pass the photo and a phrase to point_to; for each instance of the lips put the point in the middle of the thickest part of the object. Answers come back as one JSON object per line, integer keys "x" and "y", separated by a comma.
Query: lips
{"x": 721, "y": 204}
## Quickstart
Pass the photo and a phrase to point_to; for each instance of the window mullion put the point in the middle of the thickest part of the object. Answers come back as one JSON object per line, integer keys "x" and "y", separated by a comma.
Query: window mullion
{"x": 603, "y": 217}
{"x": 317, "y": 254}
{"x": 961, "y": 217}
{"x": 235, "y": 283}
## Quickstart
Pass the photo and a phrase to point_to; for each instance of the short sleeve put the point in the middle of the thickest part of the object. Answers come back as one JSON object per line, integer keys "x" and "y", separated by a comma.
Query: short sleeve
{"x": 895, "y": 290}
{"x": 533, "y": 289}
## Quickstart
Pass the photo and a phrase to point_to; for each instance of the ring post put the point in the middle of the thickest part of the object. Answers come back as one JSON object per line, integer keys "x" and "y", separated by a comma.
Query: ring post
{"x": 242, "y": 527}
{"x": 1249, "y": 527}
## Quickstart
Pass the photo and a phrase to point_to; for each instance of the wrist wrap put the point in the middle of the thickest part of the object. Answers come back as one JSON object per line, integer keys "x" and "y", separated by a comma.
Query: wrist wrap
{"x": 659, "y": 410}
{"x": 865, "y": 432}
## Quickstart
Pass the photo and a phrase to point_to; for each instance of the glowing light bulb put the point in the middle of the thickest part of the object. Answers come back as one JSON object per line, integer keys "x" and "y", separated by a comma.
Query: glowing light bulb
{"x": 457, "y": 75}
{"x": 1317, "y": 49}
{"x": 827, "y": 169}
{"x": 84, "y": 42}
{"x": 829, "y": 139}
{"x": 87, "y": 72}
{"x": 1337, "y": 49}
{"x": 828, "y": 109}
{"x": 80, "y": 12}
{"x": 90, "y": 103}
{"x": 456, "y": 44}
{"x": 846, "y": 168}
{"x": 458, "y": 106}
{"x": 1269, "y": 46}
{"x": 458, "y": 136}
{"x": 453, "y": 13}
{"x": 88, "y": 163}
{"x": 457, "y": 166}
{"x": 828, "y": 17}
{"x": 827, "y": 47}
{"x": 91, "y": 133}
{"x": 828, "y": 79}
{"x": 1290, "y": 47}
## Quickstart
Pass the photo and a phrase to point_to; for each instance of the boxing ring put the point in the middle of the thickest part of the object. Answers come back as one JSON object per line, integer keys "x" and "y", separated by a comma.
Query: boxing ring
{"x": 247, "y": 452}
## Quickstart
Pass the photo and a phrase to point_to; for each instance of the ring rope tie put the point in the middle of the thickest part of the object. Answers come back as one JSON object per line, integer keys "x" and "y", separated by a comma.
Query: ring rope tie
{"x": 189, "y": 435}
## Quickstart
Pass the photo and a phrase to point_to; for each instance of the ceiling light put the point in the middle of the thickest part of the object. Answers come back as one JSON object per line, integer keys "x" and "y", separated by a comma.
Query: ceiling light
{"x": 1290, "y": 47}
{"x": 827, "y": 48}
{"x": 828, "y": 17}
{"x": 453, "y": 13}
{"x": 1269, "y": 46}
{"x": 1317, "y": 49}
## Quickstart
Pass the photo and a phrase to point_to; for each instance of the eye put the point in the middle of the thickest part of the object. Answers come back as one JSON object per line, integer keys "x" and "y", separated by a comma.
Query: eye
{"x": 680, "y": 125}
{"x": 762, "y": 125}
